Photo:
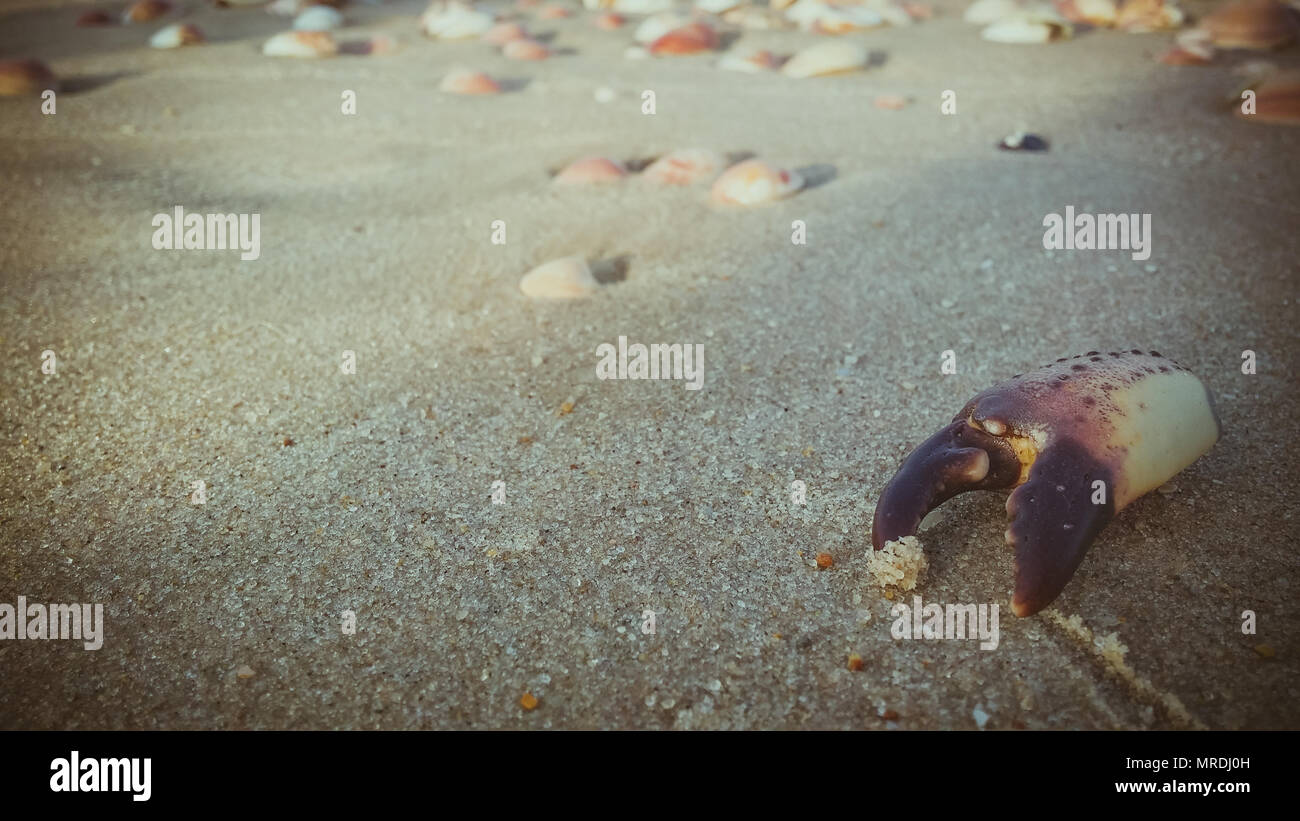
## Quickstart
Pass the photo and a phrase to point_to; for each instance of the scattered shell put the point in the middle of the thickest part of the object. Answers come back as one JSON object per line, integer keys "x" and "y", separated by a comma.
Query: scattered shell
{"x": 830, "y": 57}
{"x": 685, "y": 167}
{"x": 21, "y": 77}
{"x": 95, "y": 17}
{"x": 1137, "y": 16}
{"x": 754, "y": 63}
{"x": 525, "y": 50}
{"x": 463, "y": 81}
{"x": 610, "y": 21}
{"x": 301, "y": 44}
{"x": 318, "y": 18}
{"x": 589, "y": 170}
{"x": 566, "y": 278}
{"x": 244, "y": 671}
{"x": 177, "y": 35}
{"x": 554, "y": 11}
{"x": 689, "y": 39}
{"x": 1089, "y": 12}
{"x": 652, "y": 28}
{"x": 146, "y": 10}
{"x": 1252, "y": 24}
{"x": 890, "y": 102}
{"x": 830, "y": 18}
{"x": 754, "y": 182}
{"x": 1277, "y": 100}
{"x": 984, "y": 12}
{"x": 1035, "y": 28}
{"x": 454, "y": 21}
{"x": 1021, "y": 141}
{"x": 503, "y": 33}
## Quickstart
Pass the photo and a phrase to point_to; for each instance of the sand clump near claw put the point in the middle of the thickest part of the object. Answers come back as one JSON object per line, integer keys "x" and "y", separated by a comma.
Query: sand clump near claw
{"x": 899, "y": 564}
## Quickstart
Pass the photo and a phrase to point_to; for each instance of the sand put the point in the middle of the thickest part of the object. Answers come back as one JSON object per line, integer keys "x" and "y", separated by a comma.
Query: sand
{"x": 822, "y": 365}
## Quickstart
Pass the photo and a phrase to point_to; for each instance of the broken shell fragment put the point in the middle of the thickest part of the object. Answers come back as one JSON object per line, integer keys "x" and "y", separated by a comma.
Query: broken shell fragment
{"x": 305, "y": 44}
{"x": 318, "y": 18}
{"x": 656, "y": 26}
{"x": 1137, "y": 16}
{"x": 1277, "y": 100}
{"x": 566, "y": 278}
{"x": 503, "y": 33}
{"x": 22, "y": 77}
{"x": 464, "y": 81}
{"x": 1252, "y": 24}
{"x": 685, "y": 167}
{"x": 754, "y": 182}
{"x": 1192, "y": 47}
{"x": 525, "y": 50}
{"x": 693, "y": 38}
{"x": 1078, "y": 440}
{"x": 146, "y": 10}
{"x": 826, "y": 59}
{"x": 175, "y": 36}
{"x": 591, "y": 170}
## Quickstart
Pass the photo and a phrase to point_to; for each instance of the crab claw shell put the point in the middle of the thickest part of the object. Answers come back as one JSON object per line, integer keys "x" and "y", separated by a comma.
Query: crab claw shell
{"x": 1252, "y": 24}
{"x": 1090, "y": 434}
{"x": 754, "y": 182}
{"x": 22, "y": 77}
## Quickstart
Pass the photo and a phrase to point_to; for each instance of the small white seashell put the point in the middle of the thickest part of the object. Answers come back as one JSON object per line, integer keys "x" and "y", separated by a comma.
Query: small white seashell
{"x": 566, "y": 278}
{"x": 829, "y": 18}
{"x": 983, "y": 12}
{"x": 1026, "y": 29}
{"x": 454, "y": 21}
{"x": 176, "y": 35}
{"x": 831, "y": 57}
{"x": 301, "y": 44}
{"x": 318, "y": 18}
{"x": 754, "y": 182}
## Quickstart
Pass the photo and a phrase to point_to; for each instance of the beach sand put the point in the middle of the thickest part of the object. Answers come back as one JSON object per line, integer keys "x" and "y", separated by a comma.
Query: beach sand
{"x": 822, "y": 365}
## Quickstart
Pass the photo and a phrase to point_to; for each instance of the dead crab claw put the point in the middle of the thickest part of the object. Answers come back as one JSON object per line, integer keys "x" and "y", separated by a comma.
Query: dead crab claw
{"x": 1078, "y": 440}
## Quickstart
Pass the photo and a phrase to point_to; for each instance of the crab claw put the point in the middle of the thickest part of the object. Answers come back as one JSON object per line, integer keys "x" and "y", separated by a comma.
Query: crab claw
{"x": 1078, "y": 440}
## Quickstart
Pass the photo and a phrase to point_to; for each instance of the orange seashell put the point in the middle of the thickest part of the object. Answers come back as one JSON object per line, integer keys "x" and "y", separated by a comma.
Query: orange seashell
{"x": 554, "y": 11}
{"x": 503, "y": 33}
{"x": 95, "y": 17}
{"x": 610, "y": 21}
{"x": 22, "y": 77}
{"x": 525, "y": 50}
{"x": 692, "y": 38}
{"x": 1253, "y": 24}
{"x": 754, "y": 182}
{"x": 565, "y": 278}
{"x": 469, "y": 82}
{"x": 1277, "y": 100}
{"x": 1148, "y": 15}
{"x": 685, "y": 167}
{"x": 591, "y": 170}
{"x": 145, "y": 10}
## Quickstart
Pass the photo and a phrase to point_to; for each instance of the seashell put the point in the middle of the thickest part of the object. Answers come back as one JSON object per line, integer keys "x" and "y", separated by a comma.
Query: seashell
{"x": 1089, "y": 12}
{"x": 1192, "y": 47}
{"x": 1037, "y": 26}
{"x": 750, "y": 17}
{"x": 525, "y": 50}
{"x": 1021, "y": 141}
{"x": 984, "y": 12}
{"x": 1277, "y": 100}
{"x": 919, "y": 11}
{"x": 693, "y": 38}
{"x": 565, "y": 278}
{"x": 1137, "y": 16}
{"x": 145, "y": 10}
{"x": 454, "y": 21}
{"x": 284, "y": 8}
{"x": 652, "y": 28}
{"x": 754, "y": 182}
{"x": 591, "y": 170}
{"x": 890, "y": 102}
{"x": 685, "y": 166}
{"x": 554, "y": 11}
{"x": 463, "y": 81}
{"x": 1252, "y": 24}
{"x": 22, "y": 77}
{"x": 177, "y": 35}
{"x": 823, "y": 59}
{"x": 94, "y": 17}
{"x": 642, "y": 6}
{"x": 318, "y": 18}
{"x": 829, "y": 18}
{"x": 301, "y": 44}
{"x": 610, "y": 21}
{"x": 753, "y": 64}
{"x": 891, "y": 11}
{"x": 503, "y": 33}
